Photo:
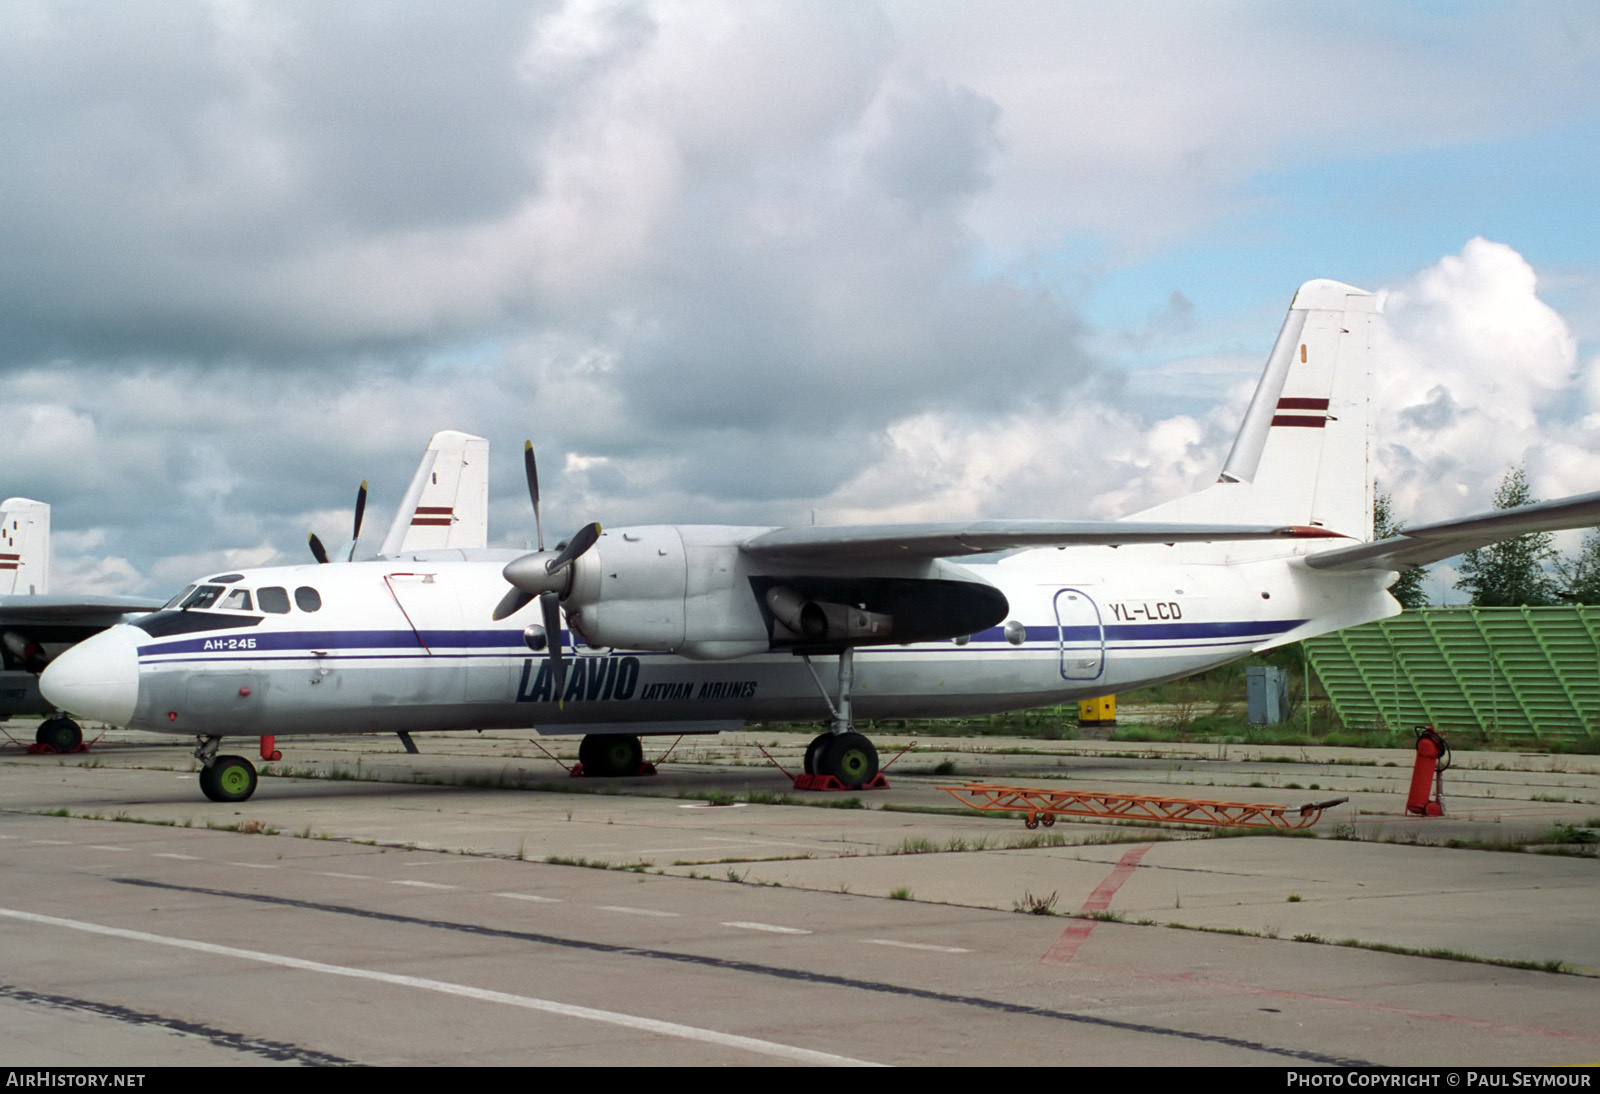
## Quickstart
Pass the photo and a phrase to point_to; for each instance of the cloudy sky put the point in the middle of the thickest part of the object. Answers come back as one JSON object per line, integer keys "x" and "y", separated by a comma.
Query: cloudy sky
{"x": 747, "y": 261}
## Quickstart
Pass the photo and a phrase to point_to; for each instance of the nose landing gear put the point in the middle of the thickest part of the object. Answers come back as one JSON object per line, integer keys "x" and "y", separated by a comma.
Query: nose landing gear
{"x": 224, "y": 779}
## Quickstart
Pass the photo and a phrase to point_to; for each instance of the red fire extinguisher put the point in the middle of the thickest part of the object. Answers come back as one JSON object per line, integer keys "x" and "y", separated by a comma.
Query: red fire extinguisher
{"x": 1433, "y": 759}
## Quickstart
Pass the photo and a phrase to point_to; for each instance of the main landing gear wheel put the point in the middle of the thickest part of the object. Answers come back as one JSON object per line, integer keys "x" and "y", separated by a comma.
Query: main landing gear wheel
{"x": 61, "y": 734}
{"x": 814, "y": 752}
{"x": 850, "y": 758}
{"x": 610, "y": 754}
{"x": 228, "y": 779}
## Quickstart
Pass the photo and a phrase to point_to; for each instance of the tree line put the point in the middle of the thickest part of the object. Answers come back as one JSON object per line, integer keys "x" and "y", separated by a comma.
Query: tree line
{"x": 1527, "y": 570}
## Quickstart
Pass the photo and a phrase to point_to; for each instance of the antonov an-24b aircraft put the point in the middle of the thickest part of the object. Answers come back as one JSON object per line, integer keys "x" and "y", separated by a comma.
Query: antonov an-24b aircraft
{"x": 696, "y": 628}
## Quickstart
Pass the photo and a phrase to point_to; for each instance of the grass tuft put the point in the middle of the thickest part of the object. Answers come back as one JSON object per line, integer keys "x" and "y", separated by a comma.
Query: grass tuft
{"x": 1035, "y": 905}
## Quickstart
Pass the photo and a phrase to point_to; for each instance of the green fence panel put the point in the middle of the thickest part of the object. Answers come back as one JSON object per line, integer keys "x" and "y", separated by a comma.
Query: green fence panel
{"x": 1529, "y": 675}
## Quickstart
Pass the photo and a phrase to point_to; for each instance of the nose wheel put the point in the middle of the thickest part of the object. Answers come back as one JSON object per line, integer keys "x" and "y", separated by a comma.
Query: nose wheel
{"x": 224, "y": 779}
{"x": 228, "y": 779}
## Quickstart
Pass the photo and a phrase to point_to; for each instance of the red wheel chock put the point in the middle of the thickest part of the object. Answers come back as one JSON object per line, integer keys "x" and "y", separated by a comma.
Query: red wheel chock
{"x": 50, "y": 750}
{"x": 831, "y": 782}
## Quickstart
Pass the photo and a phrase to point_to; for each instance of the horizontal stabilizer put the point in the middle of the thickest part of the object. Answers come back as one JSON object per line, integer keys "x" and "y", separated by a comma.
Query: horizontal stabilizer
{"x": 865, "y": 542}
{"x": 1431, "y": 542}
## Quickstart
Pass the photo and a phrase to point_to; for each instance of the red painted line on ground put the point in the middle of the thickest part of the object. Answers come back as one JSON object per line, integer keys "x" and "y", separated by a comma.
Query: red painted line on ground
{"x": 1099, "y": 900}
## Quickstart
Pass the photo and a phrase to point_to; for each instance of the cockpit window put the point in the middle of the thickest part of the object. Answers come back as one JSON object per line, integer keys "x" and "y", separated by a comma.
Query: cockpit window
{"x": 274, "y": 598}
{"x": 238, "y": 601}
{"x": 203, "y": 597}
{"x": 175, "y": 601}
{"x": 307, "y": 598}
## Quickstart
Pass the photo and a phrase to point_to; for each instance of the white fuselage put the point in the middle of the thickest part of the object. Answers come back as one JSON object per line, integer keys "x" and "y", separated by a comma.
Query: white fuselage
{"x": 403, "y": 645}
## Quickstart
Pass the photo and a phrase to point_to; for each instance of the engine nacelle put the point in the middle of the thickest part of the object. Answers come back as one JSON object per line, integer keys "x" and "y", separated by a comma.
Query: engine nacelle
{"x": 677, "y": 588}
{"x": 688, "y": 589}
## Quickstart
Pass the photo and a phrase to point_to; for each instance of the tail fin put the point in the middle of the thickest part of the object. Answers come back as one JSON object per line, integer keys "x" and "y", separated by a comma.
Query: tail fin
{"x": 447, "y": 505}
{"x": 24, "y": 546}
{"x": 1301, "y": 454}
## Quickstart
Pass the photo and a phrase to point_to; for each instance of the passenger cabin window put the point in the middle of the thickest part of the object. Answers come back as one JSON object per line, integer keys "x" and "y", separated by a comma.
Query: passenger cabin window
{"x": 238, "y": 601}
{"x": 273, "y": 599}
{"x": 203, "y": 597}
{"x": 306, "y": 598}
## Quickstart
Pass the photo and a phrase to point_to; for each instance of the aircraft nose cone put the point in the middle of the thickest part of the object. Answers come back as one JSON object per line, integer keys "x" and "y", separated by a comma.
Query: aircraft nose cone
{"x": 98, "y": 678}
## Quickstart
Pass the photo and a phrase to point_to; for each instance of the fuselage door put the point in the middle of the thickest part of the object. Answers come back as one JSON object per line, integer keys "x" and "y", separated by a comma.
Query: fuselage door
{"x": 1082, "y": 635}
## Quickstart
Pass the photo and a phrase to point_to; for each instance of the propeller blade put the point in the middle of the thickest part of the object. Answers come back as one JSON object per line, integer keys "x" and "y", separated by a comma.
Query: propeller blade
{"x": 581, "y": 542}
{"x": 361, "y": 510}
{"x": 318, "y": 551}
{"x": 512, "y": 603}
{"x": 550, "y": 605}
{"x": 532, "y": 468}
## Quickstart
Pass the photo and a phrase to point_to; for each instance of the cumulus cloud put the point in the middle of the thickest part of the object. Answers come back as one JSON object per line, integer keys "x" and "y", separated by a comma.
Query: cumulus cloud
{"x": 721, "y": 263}
{"x": 1475, "y": 374}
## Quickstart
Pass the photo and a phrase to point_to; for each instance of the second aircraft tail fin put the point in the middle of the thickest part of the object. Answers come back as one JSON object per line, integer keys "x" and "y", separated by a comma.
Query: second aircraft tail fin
{"x": 447, "y": 505}
{"x": 24, "y": 546}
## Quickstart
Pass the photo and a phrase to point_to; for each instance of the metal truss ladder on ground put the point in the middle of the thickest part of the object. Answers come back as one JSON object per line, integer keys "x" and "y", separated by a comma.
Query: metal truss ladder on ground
{"x": 1044, "y": 806}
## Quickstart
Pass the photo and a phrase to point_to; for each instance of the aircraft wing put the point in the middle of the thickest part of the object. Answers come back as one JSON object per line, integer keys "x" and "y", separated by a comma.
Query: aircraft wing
{"x": 875, "y": 542}
{"x": 1431, "y": 542}
{"x": 66, "y": 608}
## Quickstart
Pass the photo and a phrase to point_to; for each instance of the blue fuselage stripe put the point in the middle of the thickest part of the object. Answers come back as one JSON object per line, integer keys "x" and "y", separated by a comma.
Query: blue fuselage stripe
{"x": 360, "y": 645}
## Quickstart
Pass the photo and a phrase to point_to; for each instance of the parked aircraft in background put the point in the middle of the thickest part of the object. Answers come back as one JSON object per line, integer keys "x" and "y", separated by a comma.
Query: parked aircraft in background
{"x": 667, "y": 629}
{"x": 35, "y": 626}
